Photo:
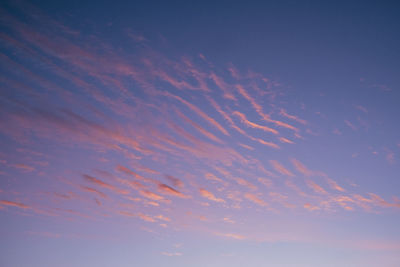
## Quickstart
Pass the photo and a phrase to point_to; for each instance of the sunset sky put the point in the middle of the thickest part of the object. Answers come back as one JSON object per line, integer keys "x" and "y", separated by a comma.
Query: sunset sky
{"x": 199, "y": 133}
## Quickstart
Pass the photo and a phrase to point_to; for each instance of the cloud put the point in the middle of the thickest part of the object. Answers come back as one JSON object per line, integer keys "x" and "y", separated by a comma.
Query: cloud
{"x": 315, "y": 187}
{"x": 256, "y": 199}
{"x": 310, "y": 207}
{"x": 291, "y": 185}
{"x": 132, "y": 173}
{"x": 363, "y": 109}
{"x": 265, "y": 181}
{"x": 105, "y": 185}
{"x": 279, "y": 168}
{"x": 390, "y": 157}
{"x": 151, "y": 195}
{"x": 248, "y": 123}
{"x": 270, "y": 144}
{"x": 163, "y": 218}
{"x": 209, "y": 195}
{"x": 14, "y": 204}
{"x": 146, "y": 218}
{"x": 228, "y": 220}
{"x": 225, "y": 116}
{"x": 285, "y": 140}
{"x": 24, "y": 167}
{"x": 292, "y": 117}
{"x": 231, "y": 235}
{"x": 199, "y": 128}
{"x": 136, "y": 185}
{"x": 301, "y": 168}
{"x": 199, "y": 112}
{"x": 334, "y": 185}
{"x": 260, "y": 112}
{"x": 246, "y": 183}
{"x": 175, "y": 181}
{"x": 354, "y": 128}
{"x": 377, "y": 200}
{"x": 227, "y": 93}
{"x": 92, "y": 190}
{"x": 165, "y": 189}
{"x": 212, "y": 177}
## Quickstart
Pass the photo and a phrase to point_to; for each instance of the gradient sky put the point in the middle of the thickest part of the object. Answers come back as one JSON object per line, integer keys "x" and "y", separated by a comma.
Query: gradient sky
{"x": 208, "y": 134}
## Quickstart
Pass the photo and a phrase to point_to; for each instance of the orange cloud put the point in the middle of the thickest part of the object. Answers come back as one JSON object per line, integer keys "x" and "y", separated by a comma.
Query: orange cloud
{"x": 210, "y": 195}
{"x": 279, "y": 168}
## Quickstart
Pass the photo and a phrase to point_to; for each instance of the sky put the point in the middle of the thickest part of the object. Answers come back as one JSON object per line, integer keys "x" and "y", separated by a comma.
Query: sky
{"x": 202, "y": 134}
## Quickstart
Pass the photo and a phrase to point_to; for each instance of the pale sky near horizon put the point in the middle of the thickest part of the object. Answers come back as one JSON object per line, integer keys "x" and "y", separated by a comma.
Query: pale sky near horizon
{"x": 208, "y": 133}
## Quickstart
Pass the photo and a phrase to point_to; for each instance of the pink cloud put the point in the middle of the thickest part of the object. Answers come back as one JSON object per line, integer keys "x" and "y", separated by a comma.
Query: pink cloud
{"x": 199, "y": 112}
{"x": 316, "y": 188}
{"x": 151, "y": 195}
{"x": 209, "y": 195}
{"x": 292, "y": 117}
{"x": 175, "y": 181}
{"x": 248, "y": 123}
{"x": 165, "y": 189}
{"x": 255, "y": 199}
{"x": 105, "y": 185}
{"x": 279, "y": 168}
{"x": 301, "y": 168}
{"x": 14, "y": 204}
